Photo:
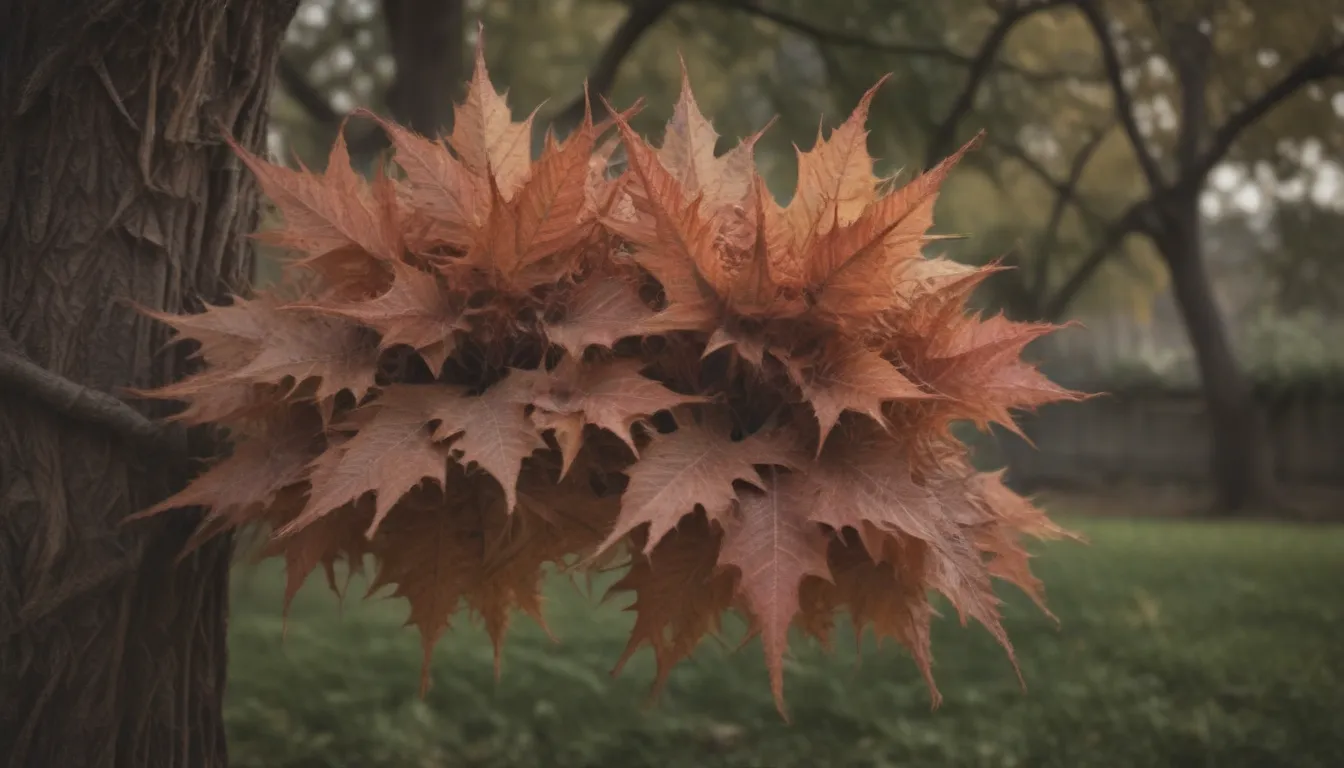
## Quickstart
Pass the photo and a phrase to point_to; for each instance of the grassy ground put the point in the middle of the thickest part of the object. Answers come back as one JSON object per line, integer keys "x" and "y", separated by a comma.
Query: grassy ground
{"x": 1180, "y": 644}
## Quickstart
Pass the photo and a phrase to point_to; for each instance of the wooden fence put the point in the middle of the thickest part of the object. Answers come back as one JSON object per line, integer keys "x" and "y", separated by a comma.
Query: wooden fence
{"x": 1163, "y": 437}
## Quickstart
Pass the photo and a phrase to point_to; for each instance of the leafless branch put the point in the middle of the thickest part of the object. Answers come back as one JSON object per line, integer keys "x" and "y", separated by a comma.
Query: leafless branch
{"x": 836, "y": 37}
{"x": 1124, "y": 104}
{"x": 1324, "y": 64}
{"x": 1135, "y": 219}
{"x": 304, "y": 93}
{"x": 1138, "y": 218}
{"x": 641, "y": 17}
{"x": 980, "y": 65}
{"x": 1062, "y": 188}
{"x": 1067, "y": 193}
{"x": 364, "y": 143}
{"x": 848, "y": 39}
{"x": 23, "y": 377}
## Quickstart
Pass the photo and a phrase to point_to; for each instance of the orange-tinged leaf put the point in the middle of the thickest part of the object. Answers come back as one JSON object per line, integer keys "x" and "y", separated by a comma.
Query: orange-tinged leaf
{"x": 253, "y": 345}
{"x": 601, "y": 312}
{"x": 492, "y": 430}
{"x": 920, "y": 278}
{"x": 609, "y": 395}
{"x": 324, "y": 542}
{"x": 683, "y": 253}
{"x": 391, "y": 453}
{"x": 600, "y": 191}
{"x": 323, "y": 213}
{"x": 774, "y": 545}
{"x": 694, "y": 466}
{"x": 749, "y": 348}
{"x": 680, "y": 595}
{"x": 850, "y": 378}
{"x": 551, "y": 205}
{"x": 210, "y": 399}
{"x": 857, "y": 266}
{"x": 496, "y": 246}
{"x": 978, "y": 365}
{"x": 236, "y": 489}
{"x": 227, "y": 334}
{"x": 887, "y": 594}
{"x": 439, "y": 185}
{"x": 433, "y": 555}
{"x": 767, "y": 283}
{"x": 567, "y": 429}
{"x": 687, "y": 152}
{"x": 866, "y": 478}
{"x": 302, "y": 345}
{"x": 416, "y": 311}
{"x": 442, "y": 550}
{"x": 835, "y": 178}
{"x": 485, "y": 136}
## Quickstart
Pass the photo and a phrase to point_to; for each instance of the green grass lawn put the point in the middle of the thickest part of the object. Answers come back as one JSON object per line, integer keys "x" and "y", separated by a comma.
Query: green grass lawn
{"x": 1180, "y": 644}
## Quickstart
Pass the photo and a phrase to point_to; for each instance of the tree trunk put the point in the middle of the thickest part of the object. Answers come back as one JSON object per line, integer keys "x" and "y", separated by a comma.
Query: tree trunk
{"x": 1242, "y": 468}
{"x": 115, "y": 189}
{"x": 428, "y": 44}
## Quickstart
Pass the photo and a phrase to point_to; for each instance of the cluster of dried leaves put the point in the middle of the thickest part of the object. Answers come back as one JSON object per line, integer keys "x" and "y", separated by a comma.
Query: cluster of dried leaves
{"x": 489, "y": 365}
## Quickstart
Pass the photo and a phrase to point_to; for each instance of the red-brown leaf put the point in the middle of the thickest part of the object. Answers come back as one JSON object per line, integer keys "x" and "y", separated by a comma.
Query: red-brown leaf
{"x": 696, "y": 465}
{"x": 850, "y": 378}
{"x": 774, "y": 545}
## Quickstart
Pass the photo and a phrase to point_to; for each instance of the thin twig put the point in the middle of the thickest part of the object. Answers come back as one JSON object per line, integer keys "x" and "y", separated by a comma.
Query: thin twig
{"x": 980, "y": 65}
{"x": 852, "y": 40}
{"x": 1068, "y": 192}
{"x": 1136, "y": 219}
{"x": 1063, "y": 189}
{"x": 23, "y": 377}
{"x": 640, "y": 18}
{"x": 1324, "y": 64}
{"x": 1124, "y": 103}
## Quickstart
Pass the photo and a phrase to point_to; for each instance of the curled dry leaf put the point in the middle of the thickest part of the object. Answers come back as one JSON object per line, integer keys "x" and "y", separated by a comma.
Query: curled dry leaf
{"x": 486, "y": 364}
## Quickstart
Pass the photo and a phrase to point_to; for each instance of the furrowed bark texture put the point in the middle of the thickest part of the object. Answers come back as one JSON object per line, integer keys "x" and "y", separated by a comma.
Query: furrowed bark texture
{"x": 115, "y": 188}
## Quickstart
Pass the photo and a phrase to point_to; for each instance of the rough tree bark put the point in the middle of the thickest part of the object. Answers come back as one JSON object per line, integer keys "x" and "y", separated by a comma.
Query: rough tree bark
{"x": 115, "y": 188}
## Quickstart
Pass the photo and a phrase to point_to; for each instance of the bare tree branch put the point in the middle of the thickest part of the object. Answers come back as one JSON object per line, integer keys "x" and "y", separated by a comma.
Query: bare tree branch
{"x": 641, "y": 17}
{"x": 1322, "y": 65}
{"x": 1124, "y": 105}
{"x": 304, "y": 93}
{"x": 1134, "y": 220}
{"x": 848, "y": 39}
{"x": 836, "y": 37}
{"x": 1143, "y": 216}
{"x": 366, "y": 142}
{"x": 1067, "y": 192}
{"x": 980, "y": 65}
{"x": 1062, "y": 188}
{"x": 23, "y": 377}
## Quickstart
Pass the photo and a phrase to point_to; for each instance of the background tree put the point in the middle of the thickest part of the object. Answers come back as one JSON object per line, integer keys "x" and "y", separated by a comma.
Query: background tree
{"x": 1180, "y": 89}
{"x": 1106, "y": 119}
{"x": 1185, "y": 92}
{"x": 115, "y": 189}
